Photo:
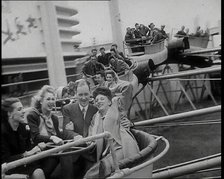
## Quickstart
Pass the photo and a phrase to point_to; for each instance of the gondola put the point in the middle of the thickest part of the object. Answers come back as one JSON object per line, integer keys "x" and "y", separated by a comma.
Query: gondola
{"x": 137, "y": 166}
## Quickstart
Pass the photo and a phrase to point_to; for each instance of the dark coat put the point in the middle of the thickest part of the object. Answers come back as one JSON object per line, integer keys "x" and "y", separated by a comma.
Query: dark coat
{"x": 72, "y": 112}
{"x": 14, "y": 143}
{"x": 104, "y": 59}
{"x": 91, "y": 68}
{"x": 33, "y": 119}
{"x": 137, "y": 34}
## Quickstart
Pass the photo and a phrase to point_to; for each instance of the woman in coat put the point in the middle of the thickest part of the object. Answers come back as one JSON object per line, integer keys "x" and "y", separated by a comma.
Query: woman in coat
{"x": 44, "y": 127}
{"x": 15, "y": 139}
{"x": 108, "y": 119}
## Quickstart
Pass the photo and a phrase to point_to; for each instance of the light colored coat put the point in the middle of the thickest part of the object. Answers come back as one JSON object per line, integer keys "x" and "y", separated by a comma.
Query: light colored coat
{"x": 123, "y": 139}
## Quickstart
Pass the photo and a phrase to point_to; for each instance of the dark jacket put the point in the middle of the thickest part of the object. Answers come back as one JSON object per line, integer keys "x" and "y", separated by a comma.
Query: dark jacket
{"x": 104, "y": 59}
{"x": 182, "y": 33}
{"x": 14, "y": 143}
{"x": 72, "y": 112}
{"x": 119, "y": 66}
{"x": 137, "y": 33}
{"x": 91, "y": 68}
{"x": 33, "y": 119}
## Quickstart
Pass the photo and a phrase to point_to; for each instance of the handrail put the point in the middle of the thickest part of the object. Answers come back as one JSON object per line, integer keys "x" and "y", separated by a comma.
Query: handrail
{"x": 186, "y": 73}
{"x": 188, "y": 162}
{"x": 32, "y": 81}
{"x": 24, "y": 82}
{"x": 128, "y": 171}
{"x": 144, "y": 44}
{"x": 43, "y": 154}
{"x": 179, "y": 116}
{"x": 188, "y": 167}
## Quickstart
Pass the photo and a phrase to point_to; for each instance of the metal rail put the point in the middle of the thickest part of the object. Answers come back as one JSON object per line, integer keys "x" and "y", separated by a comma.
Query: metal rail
{"x": 43, "y": 154}
{"x": 179, "y": 116}
{"x": 203, "y": 51}
{"x": 195, "y": 79}
{"x": 188, "y": 167}
{"x": 128, "y": 171}
{"x": 32, "y": 81}
{"x": 189, "y": 123}
{"x": 25, "y": 82}
{"x": 186, "y": 73}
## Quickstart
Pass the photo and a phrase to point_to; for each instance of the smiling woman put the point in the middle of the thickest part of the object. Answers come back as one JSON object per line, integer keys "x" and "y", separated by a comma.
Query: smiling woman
{"x": 44, "y": 127}
{"x": 15, "y": 138}
{"x": 108, "y": 119}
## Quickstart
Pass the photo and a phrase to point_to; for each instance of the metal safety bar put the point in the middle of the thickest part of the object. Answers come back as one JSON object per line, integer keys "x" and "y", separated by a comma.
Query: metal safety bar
{"x": 186, "y": 73}
{"x": 127, "y": 171}
{"x": 179, "y": 116}
{"x": 43, "y": 154}
{"x": 189, "y": 167}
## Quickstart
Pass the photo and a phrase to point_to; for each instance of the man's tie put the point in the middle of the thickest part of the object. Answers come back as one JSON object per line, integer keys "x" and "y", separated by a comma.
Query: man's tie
{"x": 83, "y": 112}
{"x": 85, "y": 130}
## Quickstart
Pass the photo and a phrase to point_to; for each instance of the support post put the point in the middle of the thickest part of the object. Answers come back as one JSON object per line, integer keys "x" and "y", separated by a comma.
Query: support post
{"x": 116, "y": 23}
{"x": 55, "y": 61}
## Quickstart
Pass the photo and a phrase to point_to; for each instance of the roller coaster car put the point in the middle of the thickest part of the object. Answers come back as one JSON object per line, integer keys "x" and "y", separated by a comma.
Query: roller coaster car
{"x": 147, "y": 145}
{"x": 198, "y": 41}
{"x": 197, "y": 55}
{"x": 178, "y": 51}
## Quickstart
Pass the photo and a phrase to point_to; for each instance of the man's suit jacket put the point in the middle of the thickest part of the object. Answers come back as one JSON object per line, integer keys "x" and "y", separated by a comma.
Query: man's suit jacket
{"x": 91, "y": 68}
{"x": 72, "y": 112}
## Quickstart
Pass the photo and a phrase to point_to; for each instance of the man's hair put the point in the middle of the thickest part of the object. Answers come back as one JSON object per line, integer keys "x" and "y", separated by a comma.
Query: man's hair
{"x": 81, "y": 82}
{"x": 102, "y": 48}
{"x": 115, "y": 45}
{"x": 102, "y": 73}
{"x": 94, "y": 49}
{"x": 136, "y": 24}
{"x": 112, "y": 50}
{"x": 110, "y": 72}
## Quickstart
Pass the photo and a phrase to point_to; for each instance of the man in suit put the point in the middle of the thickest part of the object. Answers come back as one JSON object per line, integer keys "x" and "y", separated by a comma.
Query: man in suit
{"x": 92, "y": 66}
{"x": 77, "y": 119}
{"x": 77, "y": 116}
{"x": 120, "y": 55}
{"x": 103, "y": 57}
{"x": 119, "y": 66}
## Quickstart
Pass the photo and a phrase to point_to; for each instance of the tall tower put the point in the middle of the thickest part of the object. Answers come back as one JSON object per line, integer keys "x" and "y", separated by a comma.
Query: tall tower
{"x": 57, "y": 22}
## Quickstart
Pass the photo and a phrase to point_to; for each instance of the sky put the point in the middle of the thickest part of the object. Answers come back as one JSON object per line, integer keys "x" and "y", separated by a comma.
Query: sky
{"x": 95, "y": 24}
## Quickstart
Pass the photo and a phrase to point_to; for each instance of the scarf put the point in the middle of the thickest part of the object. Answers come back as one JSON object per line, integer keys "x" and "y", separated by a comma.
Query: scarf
{"x": 46, "y": 126}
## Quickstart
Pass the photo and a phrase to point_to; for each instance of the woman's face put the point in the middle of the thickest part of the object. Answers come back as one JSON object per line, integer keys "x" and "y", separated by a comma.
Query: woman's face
{"x": 109, "y": 78}
{"x": 102, "y": 103}
{"x": 18, "y": 112}
{"x": 48, "y": 102}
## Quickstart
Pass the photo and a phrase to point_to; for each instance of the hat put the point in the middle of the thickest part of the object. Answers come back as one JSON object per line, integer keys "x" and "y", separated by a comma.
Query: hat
{"x": 103, "y": 91}
{"x": 102, "y": 48}
{"x": 151, "y": 24}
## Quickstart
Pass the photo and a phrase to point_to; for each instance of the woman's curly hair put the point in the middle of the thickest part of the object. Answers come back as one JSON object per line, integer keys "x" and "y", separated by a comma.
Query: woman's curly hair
{"x": 35, "y": 102}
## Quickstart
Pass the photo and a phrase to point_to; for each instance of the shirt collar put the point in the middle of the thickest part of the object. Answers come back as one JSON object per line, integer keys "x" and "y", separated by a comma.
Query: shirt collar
{"x": 81, "y": 107}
